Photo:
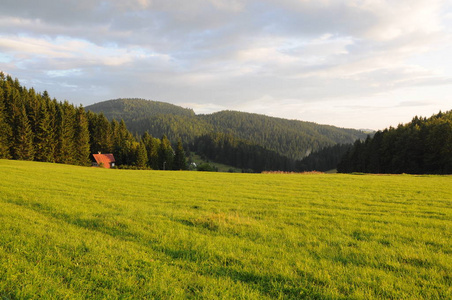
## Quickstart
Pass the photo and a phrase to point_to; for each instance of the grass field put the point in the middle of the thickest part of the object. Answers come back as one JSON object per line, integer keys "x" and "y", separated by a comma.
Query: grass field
{"x": 77, "y": 233}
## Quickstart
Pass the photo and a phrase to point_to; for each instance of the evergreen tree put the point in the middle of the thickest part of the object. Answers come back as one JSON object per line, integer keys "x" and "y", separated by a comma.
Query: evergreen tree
{"x": 166, "y": 154}
{"x": 65, "y": 152}
{"x": 100, "y": 133}
{"x": 152, "y": 147}
{"x": 5, "y": 128}
{"x": 180, "y": 161}
{"x": 123, "y": 142}
{"x": 141, "y": 156}
{"x": 45, "y": 136}
{"x": 82, "y": 147}
{"x": 33, "y": 103}
{"x": 23, "y": 147}
{"x": 146, "y": 139}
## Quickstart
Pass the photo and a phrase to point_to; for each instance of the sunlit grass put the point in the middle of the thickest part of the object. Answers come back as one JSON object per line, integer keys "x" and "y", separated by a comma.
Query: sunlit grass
{"x": 74, "y": 232}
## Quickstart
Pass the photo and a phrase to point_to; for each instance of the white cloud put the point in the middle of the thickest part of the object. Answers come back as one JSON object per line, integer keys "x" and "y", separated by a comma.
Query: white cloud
{"x": 398, "y": 18}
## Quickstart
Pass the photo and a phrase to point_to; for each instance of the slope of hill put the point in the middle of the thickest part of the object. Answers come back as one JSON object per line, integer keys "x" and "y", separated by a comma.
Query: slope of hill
{"x": 134, "y": 109}
{"x": 290, "y": 138}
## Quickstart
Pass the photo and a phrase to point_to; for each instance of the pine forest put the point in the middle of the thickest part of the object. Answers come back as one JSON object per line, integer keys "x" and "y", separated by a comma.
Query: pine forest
{"x": 37, "y": 128}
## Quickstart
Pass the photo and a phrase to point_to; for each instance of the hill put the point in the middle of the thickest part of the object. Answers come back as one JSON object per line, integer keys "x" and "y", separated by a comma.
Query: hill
{"x": 70, "y": 232}
{"x": 422, "y": 146}
{"x": 134, "y": 109}
{"x": 290, "y": 138}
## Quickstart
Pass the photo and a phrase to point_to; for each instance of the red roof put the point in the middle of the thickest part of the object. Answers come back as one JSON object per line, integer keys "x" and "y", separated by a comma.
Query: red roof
{"x": 104, "y": 159}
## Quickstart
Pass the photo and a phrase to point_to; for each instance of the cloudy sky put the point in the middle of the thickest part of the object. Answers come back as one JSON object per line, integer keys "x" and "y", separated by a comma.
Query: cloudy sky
{"x": 349, "y": 63}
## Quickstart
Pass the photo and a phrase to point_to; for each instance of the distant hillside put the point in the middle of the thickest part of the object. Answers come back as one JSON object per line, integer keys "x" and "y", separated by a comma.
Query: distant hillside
{"x": 134, "y": 109}
{"x": 291, "y": 138}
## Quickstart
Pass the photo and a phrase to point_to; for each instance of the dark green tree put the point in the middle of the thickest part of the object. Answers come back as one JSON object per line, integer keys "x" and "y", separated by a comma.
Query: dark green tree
{"x": 65, "y": 150}
{"x": 23, "y": 135}
{"x": 180, "y": 160}
{"x": 141, "y": 156}
{"x": 81, "y": 137}
{"x": 152, "y": 148}
{"x": 45, "y": 142}
{"x": 100, "y": 133}
{"x": 123, "y": 142}
{"x": 5, "y": 128}
{"x": 166, "y": 154}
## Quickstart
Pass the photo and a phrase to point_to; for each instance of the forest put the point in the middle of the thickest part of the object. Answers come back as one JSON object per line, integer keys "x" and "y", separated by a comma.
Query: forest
{"x": 226, "y": 149}
{"x": 290, "y": 138}
{"x": 35, "y": 127}
{"x": 251, "y": 142}
{"x": 422, "y": 146}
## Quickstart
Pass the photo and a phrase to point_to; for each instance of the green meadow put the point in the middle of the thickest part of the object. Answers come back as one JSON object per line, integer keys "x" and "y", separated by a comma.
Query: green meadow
{"x": 70, "y": 232}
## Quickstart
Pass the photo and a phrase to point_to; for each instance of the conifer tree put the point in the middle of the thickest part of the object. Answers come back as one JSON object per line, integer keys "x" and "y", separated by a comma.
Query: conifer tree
{"x": 66, "y": 133}
{"x": 123, "y": 142}
{"x": 5, "y": 128}
{"x": 45, "y": 136}
{"x": 141, "y": 156}
{"x": 146, "y": 139}
{"x": 100, "y": 133}
{"x": 22, "y": 135}
{"x": 152, "y": 148}
{"x": 33, "y": 105}
{"x": 166, "y": 154}
{"x": 23, "y": 146}
{"x": 180, "y": 161}
{"x": 81, "y": 136}
{"x": 154, "y": 154}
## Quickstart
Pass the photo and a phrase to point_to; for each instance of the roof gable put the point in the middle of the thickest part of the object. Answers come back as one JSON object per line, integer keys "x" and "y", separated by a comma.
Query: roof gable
{"x": 104, "y": 159}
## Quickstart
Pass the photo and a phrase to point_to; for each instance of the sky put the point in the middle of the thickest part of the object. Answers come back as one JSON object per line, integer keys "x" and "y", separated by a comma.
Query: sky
{"x": 366, "y": 64}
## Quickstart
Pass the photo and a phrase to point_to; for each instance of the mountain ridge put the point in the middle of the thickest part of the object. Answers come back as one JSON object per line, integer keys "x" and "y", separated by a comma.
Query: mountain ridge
{"x": 294, "y": 139}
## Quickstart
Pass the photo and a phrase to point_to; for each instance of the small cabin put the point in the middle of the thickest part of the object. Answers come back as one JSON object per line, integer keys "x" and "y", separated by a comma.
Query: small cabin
{"x": 104, "y": 160}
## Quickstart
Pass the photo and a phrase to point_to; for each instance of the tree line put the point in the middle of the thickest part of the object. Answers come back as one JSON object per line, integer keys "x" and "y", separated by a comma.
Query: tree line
{"x": 35, "y": 127}
{"x": 227, "y": 149}
{"x": 423, "y": 146}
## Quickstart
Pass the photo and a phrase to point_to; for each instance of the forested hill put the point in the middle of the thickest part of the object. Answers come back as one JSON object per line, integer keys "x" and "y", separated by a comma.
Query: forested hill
{"x": 422, "y": 146}
{"x": 133, "y": 109}
{"x": 290, "y": 138}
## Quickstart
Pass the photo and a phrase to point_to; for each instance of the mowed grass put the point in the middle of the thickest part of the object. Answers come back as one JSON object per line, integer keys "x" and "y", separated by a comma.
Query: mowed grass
{"x": 71, "y": 232}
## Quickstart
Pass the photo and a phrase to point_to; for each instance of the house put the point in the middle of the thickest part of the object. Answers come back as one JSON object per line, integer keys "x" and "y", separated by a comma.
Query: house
{"x": 104, "y": 160}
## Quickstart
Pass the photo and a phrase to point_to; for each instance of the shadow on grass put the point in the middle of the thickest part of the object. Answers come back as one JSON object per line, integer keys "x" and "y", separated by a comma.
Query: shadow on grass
{"x": 101, "y": 224}
{"x": 271, "y": 285}
{"x": 274, "y": 286}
